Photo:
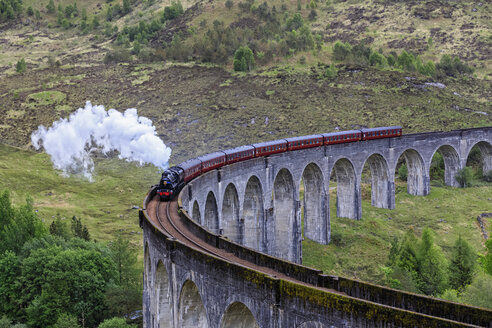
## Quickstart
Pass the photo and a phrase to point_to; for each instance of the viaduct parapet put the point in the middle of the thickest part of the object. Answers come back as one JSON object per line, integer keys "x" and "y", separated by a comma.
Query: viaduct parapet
{"x": 252, "y": 211}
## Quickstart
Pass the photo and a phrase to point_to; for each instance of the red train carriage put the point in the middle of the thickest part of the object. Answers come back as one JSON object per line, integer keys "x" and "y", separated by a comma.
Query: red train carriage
{"x": 270, "y": 147}
{"x": 212, "y": 161}
{"x": 383, "y": 132}
{"x": 342, "y": 137}
{"x": 192, "y": 168}
{"x": 304, "y": 142}
{"x": 239, "y": 154}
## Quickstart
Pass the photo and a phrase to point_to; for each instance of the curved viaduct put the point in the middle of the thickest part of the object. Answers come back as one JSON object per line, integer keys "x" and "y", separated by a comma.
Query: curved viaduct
{"x": 223, "y": 254}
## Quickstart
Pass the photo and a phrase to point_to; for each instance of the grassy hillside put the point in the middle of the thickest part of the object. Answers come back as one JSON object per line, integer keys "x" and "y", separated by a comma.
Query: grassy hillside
{"x": 359, "y": 248}
{"x": 106, "y": 206}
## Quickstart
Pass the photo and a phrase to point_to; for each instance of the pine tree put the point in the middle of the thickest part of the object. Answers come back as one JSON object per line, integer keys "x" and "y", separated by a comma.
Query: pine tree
{"x": 432, "y": 274}
{"x": 462, "y": 265}
{"x": 51, "y": 7}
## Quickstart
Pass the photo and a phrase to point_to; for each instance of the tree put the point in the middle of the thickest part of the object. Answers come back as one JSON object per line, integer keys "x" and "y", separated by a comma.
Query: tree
{"x": 51, "y": 7}
{"x": 10, "y": 271}
{"x": 464, "y": 177}
{"x": 5, "y": 322}
{"x": 59, "y": 228}
{"x": 431, "y": 266}
{"x": 479, "y": 292}
{"x": 116, "y": 323}
{"x": 71, "y": 280}
{"x": 21, "y": 66}
{"x": 341, "y": 50}
{"x": 229, "y": 4}
{"x": 126, "y": 7}
{"x": 462, "y": 265}
{"x": 403, "y": 172}
{"x": 66, "y": 320}
{"x": 125, "y": 259}
{"x": 377, "y": 59}
{"x": 79, "y": 230}
{"x": 244, "y": 59}
{"x": 23, "y": 226}
{"x": 406, "y": 61}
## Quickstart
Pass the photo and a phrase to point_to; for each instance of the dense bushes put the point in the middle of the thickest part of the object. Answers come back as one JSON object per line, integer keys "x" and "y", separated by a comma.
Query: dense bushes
{"x": 58, "y": 279}
{"x": 243, "y": 59}
{"x": 420, "y": 266}
{"x": 10, "y": 9}
{"x": 365, "y": 56}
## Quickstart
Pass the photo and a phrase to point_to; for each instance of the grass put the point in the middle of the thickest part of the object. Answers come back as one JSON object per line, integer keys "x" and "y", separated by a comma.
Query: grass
{"x": 105, "y": 206}
{"x": 359, "y": 248}
{"x": 45, "y": 98}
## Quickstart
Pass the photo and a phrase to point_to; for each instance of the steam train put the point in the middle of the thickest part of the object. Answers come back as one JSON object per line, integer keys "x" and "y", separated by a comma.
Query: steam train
{"x": 174, "y": 178}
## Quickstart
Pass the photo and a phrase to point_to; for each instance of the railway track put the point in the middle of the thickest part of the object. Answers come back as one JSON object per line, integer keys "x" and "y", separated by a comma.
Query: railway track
{"x": 171, "y": 228}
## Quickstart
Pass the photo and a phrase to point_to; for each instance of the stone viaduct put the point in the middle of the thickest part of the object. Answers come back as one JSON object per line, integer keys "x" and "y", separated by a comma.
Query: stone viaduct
{"x": 253, "y": 208}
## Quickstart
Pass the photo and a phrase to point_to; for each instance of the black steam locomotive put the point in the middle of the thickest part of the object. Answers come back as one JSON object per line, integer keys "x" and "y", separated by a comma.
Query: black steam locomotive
{"x": 174, "y": 178}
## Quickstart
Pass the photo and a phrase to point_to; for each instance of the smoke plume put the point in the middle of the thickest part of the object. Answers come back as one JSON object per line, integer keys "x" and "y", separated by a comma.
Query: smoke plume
{"x": 71, "y": 141}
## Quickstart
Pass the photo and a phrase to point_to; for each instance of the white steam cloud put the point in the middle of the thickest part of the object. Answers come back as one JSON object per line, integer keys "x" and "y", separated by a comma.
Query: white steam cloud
{"x": 71, "y": 141}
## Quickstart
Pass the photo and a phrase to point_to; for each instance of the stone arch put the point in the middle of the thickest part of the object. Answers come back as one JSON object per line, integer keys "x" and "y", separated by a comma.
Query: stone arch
{"x": 347, "y": 189}
{"x": 284, "y": 216}
{"x": 211, "y": 217}
{"x": 230, "y": 214}
{"x": 315, "y": 204}
{"x": 238, "y": 315}
{"x": 381, "y": 187}
{"x": 486, "y": 151}
{"x": 253, "y": 214}
{"x": 163, "y": 297}
{"x": 196, "y": 212}
{"x": 451, "y": 164}
{"x": 311, "y": 324}
{"x": 191, "y": 310}
{"x": 417, "y": 183}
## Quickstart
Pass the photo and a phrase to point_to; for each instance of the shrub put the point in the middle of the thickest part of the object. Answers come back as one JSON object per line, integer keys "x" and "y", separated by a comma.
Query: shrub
{"x": 51, "y": 7}
{"x": 172, "y": 11}
{"x": 406, "y": 61}
{"x": 391, "y": 60}
{"x": 229, "y": 4}
{"x": 376, "y": 59}
{"x": 30, "y": 11}
{"x": 244, "y": 59}
{"x": 464, "y": 177}
{"x": 487, "y": 176}
{"x": 453, "y": 66}
{"x": 115, "y": 323}
{"x": 312, "y": 15}
{"x": 330, "y": 72}
{"x": 21, "y": 66}
{"x": 341, "y": 50}
{"x": 403, "y": 172}
{"x": 117, "y": 55}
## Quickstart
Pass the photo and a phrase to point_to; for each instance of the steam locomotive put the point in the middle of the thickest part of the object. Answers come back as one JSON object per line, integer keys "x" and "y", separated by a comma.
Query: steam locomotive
{"x": 174, "y": 178}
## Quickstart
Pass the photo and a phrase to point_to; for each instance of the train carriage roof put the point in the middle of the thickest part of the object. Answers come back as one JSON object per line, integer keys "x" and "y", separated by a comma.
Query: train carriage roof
{"x": 384, "y": 128}
{"x": 270, "y": 143}
{"x": 238, "y": 149}
{"x": 189, "y": 163}
{"x": 340, "y": 133}
{"x": 313, "y": 136}
{"x": 208, "y": 157}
